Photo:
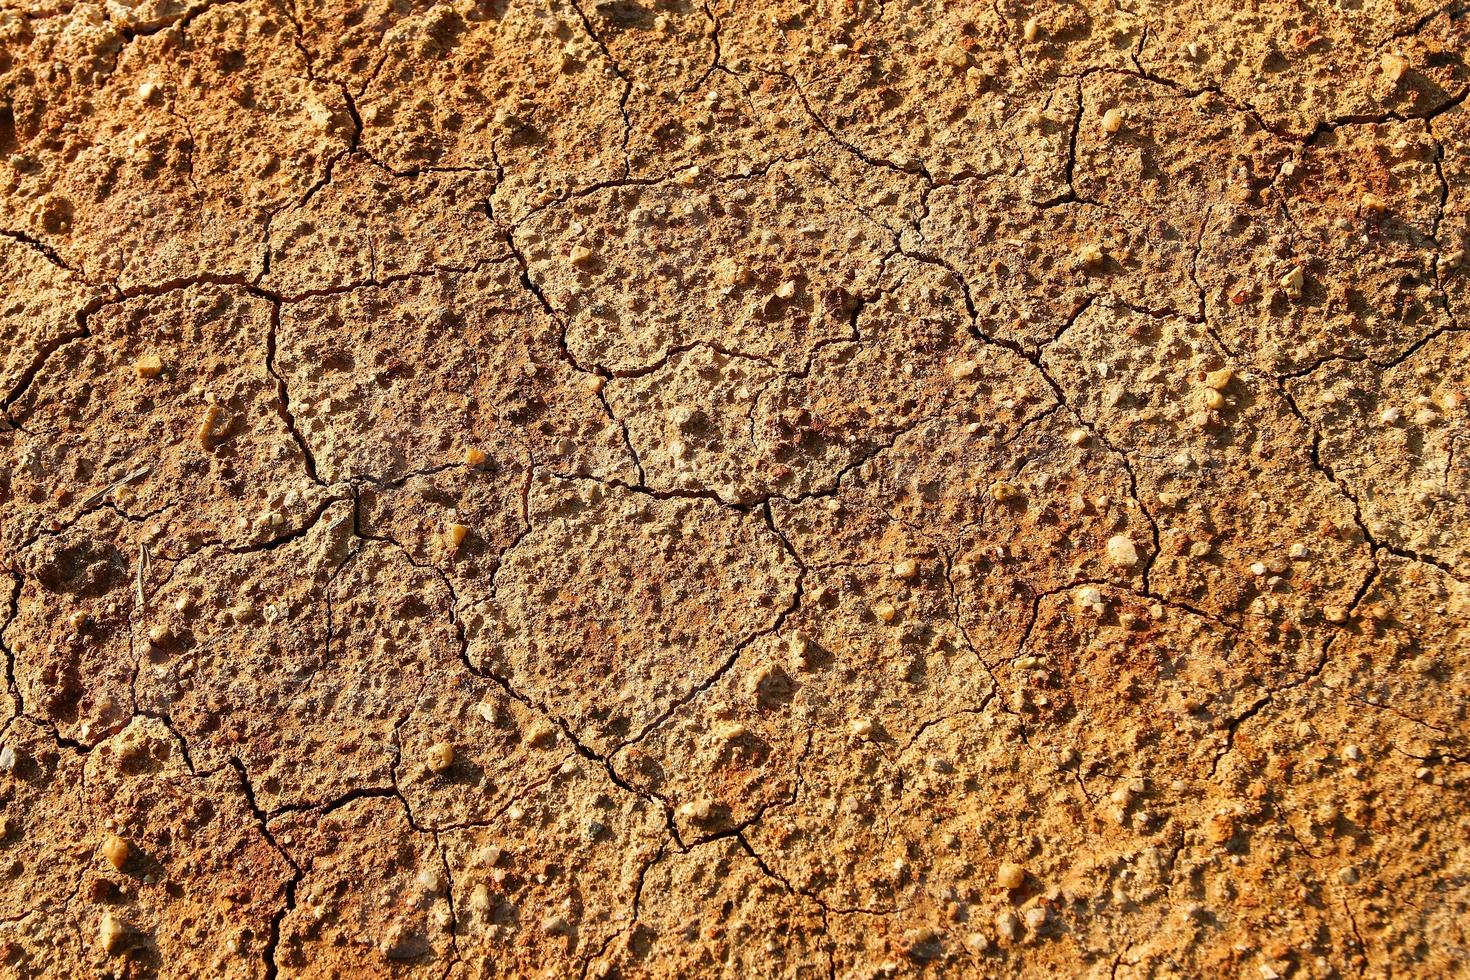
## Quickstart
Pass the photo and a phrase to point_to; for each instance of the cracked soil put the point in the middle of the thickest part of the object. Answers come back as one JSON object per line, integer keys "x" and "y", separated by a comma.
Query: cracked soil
{"x": 698, "y": 488}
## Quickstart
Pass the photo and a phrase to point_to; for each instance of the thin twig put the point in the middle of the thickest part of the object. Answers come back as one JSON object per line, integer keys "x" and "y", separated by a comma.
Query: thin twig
{"x": 102, "y": 494}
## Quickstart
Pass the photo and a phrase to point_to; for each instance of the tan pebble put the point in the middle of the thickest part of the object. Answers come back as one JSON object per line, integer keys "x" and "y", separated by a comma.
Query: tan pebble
{"x": 207, "y": 426}
{"x": 960, "y": 370}
{"x": 955, "y": 56}
{"x": 786, "y": 290}
{"x": 1294, "y": 282}
{"x": 580, "y": 255}
{"x": 1078, "y": 437}
{"x": 455, "y": 534}
{"x": 905, "y": 569}
{"x": 1122, "y": 552}
{"x": 1010, "y": 876}
{"x": 1219, "y": 380}
{"x": 160, "y": 636}
{"x": 1031, "y": 30}
{"x": 1090, "y": 256}
{"x": 149, "y": 366}
{"x": 474, "y": 457}
{"x": 116, "y": 850}
{"x": 111, "y": 933}
{"x": 885, "y": 611}
{"x": 1003, "y": 491}
{"x": 1112, "y": 121}
{"x": 698, "y": 810}
{"x": 1335, "y": 614}
{"x": 441, "y": 757}
{"x": 593, "y": 383}
{"x": 1374, "y": 203}
{"x": 1090, "y": 597}
{"x": 1393, "y": 66}
{"x": 861, "y": 727}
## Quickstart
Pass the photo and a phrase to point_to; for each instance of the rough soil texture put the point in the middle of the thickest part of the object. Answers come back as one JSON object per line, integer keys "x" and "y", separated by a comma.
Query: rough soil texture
{"x": 696, "y": 488}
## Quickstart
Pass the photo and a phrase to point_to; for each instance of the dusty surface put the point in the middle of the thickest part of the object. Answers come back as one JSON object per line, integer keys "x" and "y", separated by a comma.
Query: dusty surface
{"x": 646, "y": 488}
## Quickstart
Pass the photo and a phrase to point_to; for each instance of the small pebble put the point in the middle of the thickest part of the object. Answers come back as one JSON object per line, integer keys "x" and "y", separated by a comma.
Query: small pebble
{"x": 1393, "y": 66}
{"x": 1090, "y": 256}
{"x": 1122, "y": 552}
{"x": 1003, "y": 490}
{"x": 1010, "y": 876}
{"x": 1112, "y": 121}
{"x": 149, "y": 366}
{"x": 1294, "y": 282}
{"x": 116, "y": 850}
{"x": 455, "y": 534}
{"x": 698, "y": 810}
{"x": 441, "y": 757}
{"x": 111, "y": 933}
{"x": 207, "y": 425}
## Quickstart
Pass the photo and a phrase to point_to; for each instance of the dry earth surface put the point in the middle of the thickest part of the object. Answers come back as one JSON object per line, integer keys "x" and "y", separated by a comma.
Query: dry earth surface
{"x": 650, "y": 488}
